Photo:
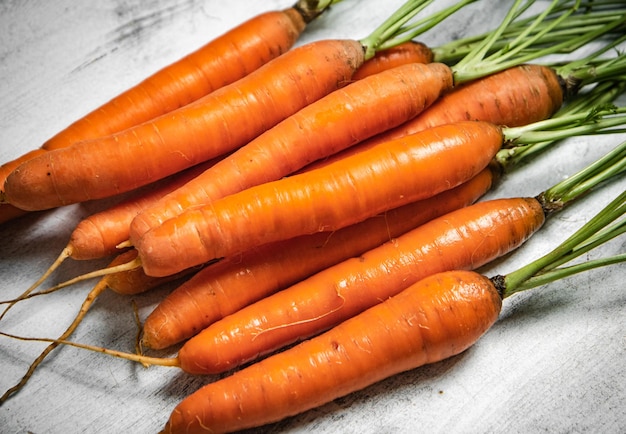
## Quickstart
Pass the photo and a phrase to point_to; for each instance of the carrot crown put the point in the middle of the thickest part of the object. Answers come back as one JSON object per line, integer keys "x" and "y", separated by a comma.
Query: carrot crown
{"x": 604, "y": 226}
{"x": 600, "y": 95}
{"x": 311, "y": 9}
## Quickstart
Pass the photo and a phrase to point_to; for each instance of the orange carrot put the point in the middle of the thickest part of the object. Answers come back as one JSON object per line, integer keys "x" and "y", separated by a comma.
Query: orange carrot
{"x": 437, "y": 318}
{"x": 433, "y": 319}
{"x": 222, "y": 61}
{"x": 350, "y": 190}
{"x": 456, "y": 240}
{"x": 339, "y": 120}
{"x": 9, "y": 212}
{"x": 186, "y": 136}
{"x": 100, "y": 234}
{"x": 514, "y": 97}
{"x": 408, "y": 52}
{"x": 204, "y": 129}
{"x": 329, "y": 198}
{"x": 235, "y": 282}
{"x": 300, "y": 139}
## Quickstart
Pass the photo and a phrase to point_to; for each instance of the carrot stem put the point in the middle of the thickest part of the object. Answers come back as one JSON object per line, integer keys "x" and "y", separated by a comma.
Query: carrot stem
{"x": 542, "y": 270}
{"x": 477, "y": 64}
{"x": 579, "y": 23}
{"x": 593, "y": 121}
{"x": 563, "y": 272}
{"x": 407, "y": 33}
{"x": 390, "y": 26}
{"x": 613, "y": 163}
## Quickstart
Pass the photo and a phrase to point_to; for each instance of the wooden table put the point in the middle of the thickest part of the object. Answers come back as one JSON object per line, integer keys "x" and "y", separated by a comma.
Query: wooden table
{"x": 554, "y": 362}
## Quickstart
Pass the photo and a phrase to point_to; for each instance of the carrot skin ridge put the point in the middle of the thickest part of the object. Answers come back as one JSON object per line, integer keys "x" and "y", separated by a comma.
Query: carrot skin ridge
{"x": 436, "y": 318}
{"x": 235, "y": 282}
{"x": 50, "y": 180}
{"x": 463, "y": 239}
{"x": 514, "y": 97}
{"x": 401, "y": 170}
{"x": 339, "y": 120}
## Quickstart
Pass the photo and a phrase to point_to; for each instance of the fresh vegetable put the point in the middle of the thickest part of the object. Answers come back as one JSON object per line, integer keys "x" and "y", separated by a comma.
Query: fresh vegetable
{"x": 346, "y": 117}
{"x": 456, "y": 240}
{"x": 514, "y": 97}
{"x": 340, "y": 194}
{"x": 238, "y": 281}
{"x": 439, "y": 316}
{"x": 199, "y": 131}
{"x": 222, "y": 61}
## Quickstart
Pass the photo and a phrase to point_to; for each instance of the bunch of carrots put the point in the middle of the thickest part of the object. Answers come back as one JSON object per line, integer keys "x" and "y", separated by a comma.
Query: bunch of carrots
{"x": 341, "y": 211}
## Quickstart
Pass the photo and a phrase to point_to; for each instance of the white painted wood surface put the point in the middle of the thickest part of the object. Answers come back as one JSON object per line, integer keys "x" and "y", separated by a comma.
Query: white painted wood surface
{"x": 555, "y": 362}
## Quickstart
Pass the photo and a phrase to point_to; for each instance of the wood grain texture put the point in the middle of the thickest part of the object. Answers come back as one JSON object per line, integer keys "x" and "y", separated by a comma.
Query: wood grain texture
{"x": 554, "y": 362}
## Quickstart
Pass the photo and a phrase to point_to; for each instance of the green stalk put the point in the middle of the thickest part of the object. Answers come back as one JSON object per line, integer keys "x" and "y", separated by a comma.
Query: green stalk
{"x": 561, "y": 273}
{"x": 601, "y": 237}
{"x": 528, "y": 44}
{"x": 391, "y": 25}
{"x": 395, "y": 30}
{"x": 454, "y": 51}
{"x": 592, "y": 121}
{"x": 543, "y": 270}
{"x": 407, "y": 33}
{"x": 610, "y": 165}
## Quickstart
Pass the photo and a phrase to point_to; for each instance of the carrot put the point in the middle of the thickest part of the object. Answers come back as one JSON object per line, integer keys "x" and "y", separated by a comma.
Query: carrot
{"x": 454, "y": 241}
{"x": 347, "y": 191}
{"x": 196, "y": 132}
{"x": 237, "y": 281}
{"x": 408, "y": 52}
{"x": 312, "y": 133}
{"x": 351, "y": 115}
{"x": 99, "y": 235}
{"x": 435, "y": 318}
{"x": 514, "y": 97}
{"x": 222, "y": 61}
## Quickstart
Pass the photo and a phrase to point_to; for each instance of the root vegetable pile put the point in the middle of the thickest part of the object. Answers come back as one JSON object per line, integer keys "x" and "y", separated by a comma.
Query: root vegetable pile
{"x": 300, "y": 220}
